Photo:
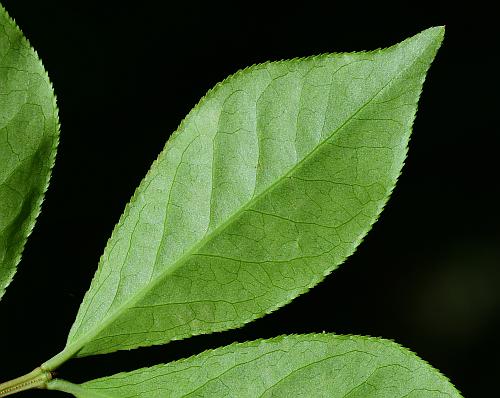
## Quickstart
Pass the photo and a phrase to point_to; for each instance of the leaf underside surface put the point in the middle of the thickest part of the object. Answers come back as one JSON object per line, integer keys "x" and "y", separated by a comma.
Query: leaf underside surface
{"x": 316, "y": 365}
{"x": 29, "y": 131}
{"x": 270, "y": 182}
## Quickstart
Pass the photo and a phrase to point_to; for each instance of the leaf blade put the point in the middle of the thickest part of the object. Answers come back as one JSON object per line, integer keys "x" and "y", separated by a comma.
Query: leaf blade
{"x": 270, "y": 152}
{"x": 288, "y": 366}
{"x": 29, "y": 131}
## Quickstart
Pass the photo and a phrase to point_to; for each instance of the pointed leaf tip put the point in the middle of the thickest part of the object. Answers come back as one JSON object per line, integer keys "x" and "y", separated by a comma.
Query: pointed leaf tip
{"x": 431, "y": 36}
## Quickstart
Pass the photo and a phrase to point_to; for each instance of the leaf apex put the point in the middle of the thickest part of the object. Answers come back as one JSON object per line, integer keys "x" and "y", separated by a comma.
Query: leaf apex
{"x": 433, "y": 35}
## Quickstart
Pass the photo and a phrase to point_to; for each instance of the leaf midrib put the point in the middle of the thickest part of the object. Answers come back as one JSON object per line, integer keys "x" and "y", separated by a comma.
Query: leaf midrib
{"x": 80, "y": 342}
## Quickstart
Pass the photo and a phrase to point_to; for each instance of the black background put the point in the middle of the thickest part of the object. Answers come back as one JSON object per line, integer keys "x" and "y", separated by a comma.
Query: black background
{"x": 427, "y": 275}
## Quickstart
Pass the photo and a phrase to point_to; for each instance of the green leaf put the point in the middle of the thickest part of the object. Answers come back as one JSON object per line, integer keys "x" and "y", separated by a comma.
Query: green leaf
{"x": 29, "y": 131}
{"x": 315, "y": 365}
{"x": 271, "y": 181}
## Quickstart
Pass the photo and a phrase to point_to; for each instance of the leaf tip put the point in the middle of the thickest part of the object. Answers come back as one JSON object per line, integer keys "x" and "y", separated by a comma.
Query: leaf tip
{"x": 434, "y": 35}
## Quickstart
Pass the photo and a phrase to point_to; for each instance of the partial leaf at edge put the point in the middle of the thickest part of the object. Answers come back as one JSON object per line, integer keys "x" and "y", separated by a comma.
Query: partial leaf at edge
{"x": 270, "y": 182}
{"x": 29, "y": 131}
{"x": 314, "y": 365}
